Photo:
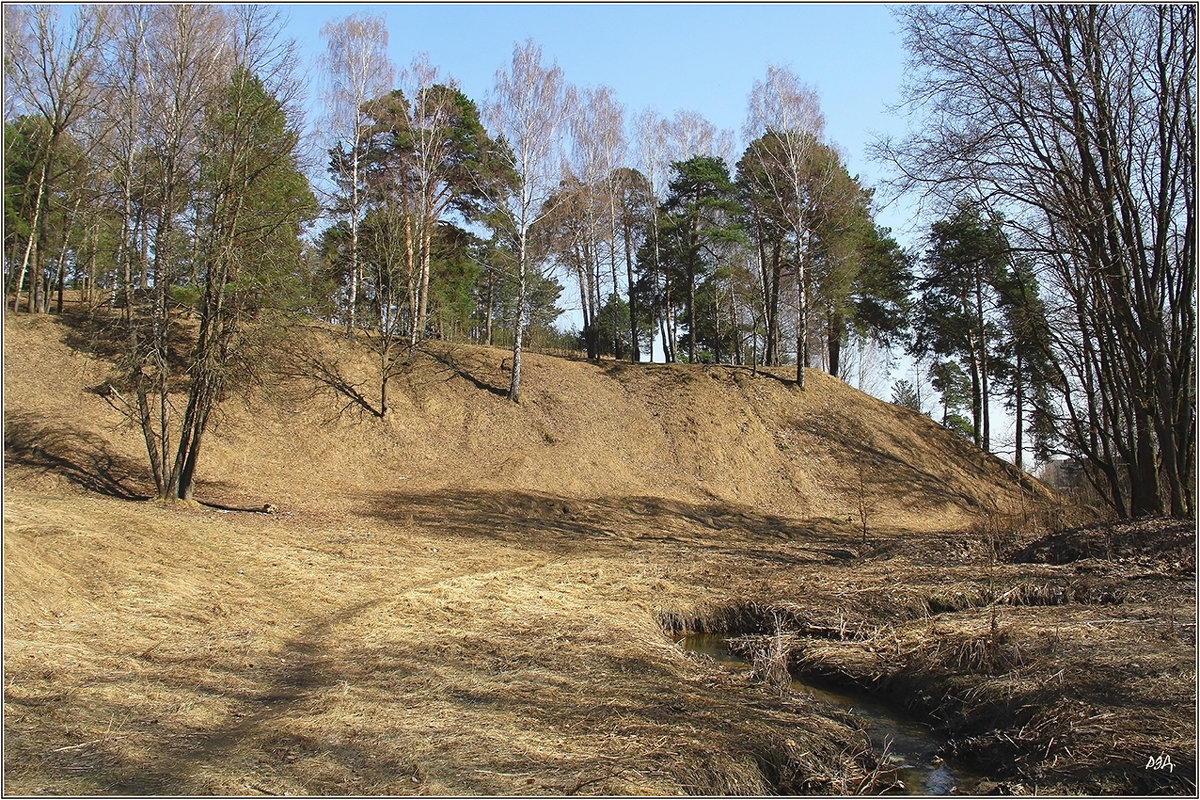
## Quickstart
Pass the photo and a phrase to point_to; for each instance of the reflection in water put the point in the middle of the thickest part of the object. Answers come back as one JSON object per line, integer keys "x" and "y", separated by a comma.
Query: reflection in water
{"x": 910, "y": 746}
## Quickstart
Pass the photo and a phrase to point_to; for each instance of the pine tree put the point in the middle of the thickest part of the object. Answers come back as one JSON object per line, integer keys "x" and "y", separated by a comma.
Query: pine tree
{"x": 255, "y": 202}
{"x": 698, "y": 216}
{"x": 956, "y": 309}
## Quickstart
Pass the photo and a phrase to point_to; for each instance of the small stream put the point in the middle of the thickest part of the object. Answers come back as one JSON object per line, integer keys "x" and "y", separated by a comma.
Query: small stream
{"x": 910, "y": 746}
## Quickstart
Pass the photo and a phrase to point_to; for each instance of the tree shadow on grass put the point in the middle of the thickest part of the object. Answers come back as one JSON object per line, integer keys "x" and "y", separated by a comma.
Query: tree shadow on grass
{"x": 886, "y": 474}
{"x": 175, "y": 756}
{"x": 289, "y": 730}
{"x": 562, "y": 526}
{"x": 82, "y": 457}
{"x": 445, "y": 357}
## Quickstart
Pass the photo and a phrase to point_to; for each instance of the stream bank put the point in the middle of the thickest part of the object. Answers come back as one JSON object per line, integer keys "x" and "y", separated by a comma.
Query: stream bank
{"x": 911, "y": 753}
{"x": 1060, "y": 663}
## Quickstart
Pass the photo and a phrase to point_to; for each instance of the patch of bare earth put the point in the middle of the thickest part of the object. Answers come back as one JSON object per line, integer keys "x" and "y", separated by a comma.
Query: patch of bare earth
{"x": 475, "y": 597}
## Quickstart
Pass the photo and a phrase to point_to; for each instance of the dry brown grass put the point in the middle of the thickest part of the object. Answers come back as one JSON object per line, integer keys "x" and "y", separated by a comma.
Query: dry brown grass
{"x": 472, "y": 597}
{"x": 164, "y": 649}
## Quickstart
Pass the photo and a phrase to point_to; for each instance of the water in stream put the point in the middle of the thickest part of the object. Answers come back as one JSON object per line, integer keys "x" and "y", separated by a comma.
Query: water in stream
{"x": 909, "y": 745}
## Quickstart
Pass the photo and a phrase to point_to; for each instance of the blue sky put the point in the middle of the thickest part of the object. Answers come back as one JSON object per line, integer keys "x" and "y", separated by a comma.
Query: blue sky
{"x": 669, "y": 56}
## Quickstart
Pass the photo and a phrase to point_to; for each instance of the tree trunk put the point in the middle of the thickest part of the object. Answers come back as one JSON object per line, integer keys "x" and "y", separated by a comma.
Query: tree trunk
{"x": 976, "y": 395}
{"x": 635, "y": 354}
{"x": 836, "y": 325}
{"x": 801, "y": 317}
{"x": 691, "y": 320}
{"x": 660, "y": 313}
{"x": 1019, "y": 391}
{"x": 148, "y": 433}
{"x": 693, "y": 250}
{"x": 588, "y": 293}
{"x": 62, "y": 254}
{"x": 984, "y": 388}
{"x": 33, "y": 232}
{"x": 410, "y": 265}
{"x": 774, "y": 339}
{"x": 1145, "y": 497}
{"x": 354, "y": 268}
{"x": 514, "y": 388}
{"x": 88, "y": 295}
{"x": 612, "y": 268}
{"x": 672, "y": 341}
{"x": 490, "y": 309}
{"x": 423, "y": 299}
{"x": 386, "y": 374}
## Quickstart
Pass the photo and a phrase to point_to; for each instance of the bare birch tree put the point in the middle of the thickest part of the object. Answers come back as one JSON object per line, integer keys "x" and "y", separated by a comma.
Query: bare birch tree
{"x": 607, "y": 128}
{"x": 654, "y": 159}
{"x": 50, "y": 61}
{"x": 597, "y": 146}
{"x": 529, "y": 110}
{"x": 690, "y": 134}
{"x": 357, "y": 70}
{"x": 660, "y": 143}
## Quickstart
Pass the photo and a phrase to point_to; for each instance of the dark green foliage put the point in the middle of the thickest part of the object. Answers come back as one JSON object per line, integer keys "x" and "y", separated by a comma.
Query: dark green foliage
{"x": 904, "y": 393}
{"x": 1025, "y": 362}
{"x": 424, "y": 161}
{"x": 955, "y": 318}
{"x": 542, "y": 309}
{"x": 30, "y": 156}
{"x": 436, "y": 143}
{"x": 856, "y": 277}
{"x": 879, "y": 297}
{"x": 613, "y": 320}
{"x": 696, "y": 222}
{"x": 331, "y": 268}
{"x": 260, "y": 201}
{"x": 458, "y": 259}
{"x": 981, "y": 308}
{"x": 949, "y": 379}
{"x": 24, "y": 148}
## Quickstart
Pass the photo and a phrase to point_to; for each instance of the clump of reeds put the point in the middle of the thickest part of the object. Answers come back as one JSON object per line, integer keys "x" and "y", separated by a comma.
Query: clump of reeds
{"x": 770, "y": 653}
{"x": 988, "y": 653}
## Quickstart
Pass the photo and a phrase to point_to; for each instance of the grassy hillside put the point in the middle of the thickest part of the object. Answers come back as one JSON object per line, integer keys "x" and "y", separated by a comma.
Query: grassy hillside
{"x": 582, "y": 430}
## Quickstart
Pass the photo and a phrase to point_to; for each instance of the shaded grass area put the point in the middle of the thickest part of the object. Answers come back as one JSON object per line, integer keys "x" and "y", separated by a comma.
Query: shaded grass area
{"x": 561, "y": 526}
{"x": 82, "y": 457}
